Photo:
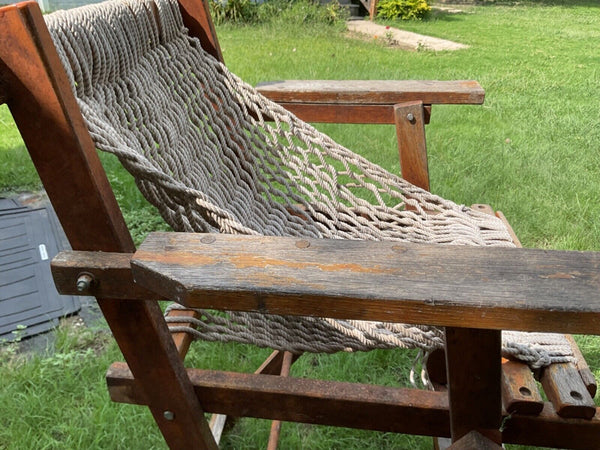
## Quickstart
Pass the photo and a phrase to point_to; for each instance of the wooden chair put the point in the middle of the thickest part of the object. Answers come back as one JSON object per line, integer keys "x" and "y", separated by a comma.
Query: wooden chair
{"x": 543, "y": 291}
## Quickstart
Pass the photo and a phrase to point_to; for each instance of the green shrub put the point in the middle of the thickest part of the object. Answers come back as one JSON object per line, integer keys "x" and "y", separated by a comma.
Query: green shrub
{"x": 270, "y": 11}
{"x": 234, "y": 11}
{"x": 403, "y": 9}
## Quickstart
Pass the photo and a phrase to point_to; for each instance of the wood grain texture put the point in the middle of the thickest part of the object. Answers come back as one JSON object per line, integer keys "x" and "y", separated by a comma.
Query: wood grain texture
{"x": 520, "y": 394}
{"x": 309, "y": 401}
{"x": 347, "y": 113}
{"x": 341, "y": 113}
{"x": 355, "y": 406}
{"x": 375, "y": 92}
{"x": 548, "y": 429}
{"x": 111, "y": 272}
{"x": 565, "y": 389}
{"x": 412, "y": 147}
{"x": 494, "y": 288}
{"x": 474, "y": 371}
{"x": 582, "y": 366}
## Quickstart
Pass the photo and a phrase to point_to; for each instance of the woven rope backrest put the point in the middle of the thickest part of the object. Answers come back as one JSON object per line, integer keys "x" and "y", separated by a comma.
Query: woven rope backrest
{"x": 203, "y": 150}
{"x": 199, "y": 142}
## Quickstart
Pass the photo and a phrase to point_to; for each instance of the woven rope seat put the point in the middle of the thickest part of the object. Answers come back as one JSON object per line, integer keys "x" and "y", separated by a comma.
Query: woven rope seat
{"x": 213, "y": 155}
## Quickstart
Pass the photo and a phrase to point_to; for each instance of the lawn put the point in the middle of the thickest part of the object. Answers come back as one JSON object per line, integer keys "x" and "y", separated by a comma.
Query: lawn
{"x": 531, "y": 151}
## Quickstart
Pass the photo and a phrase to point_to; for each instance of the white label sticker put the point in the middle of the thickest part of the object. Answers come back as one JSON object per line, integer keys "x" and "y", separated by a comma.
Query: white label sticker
{"x": 43, "y": 252}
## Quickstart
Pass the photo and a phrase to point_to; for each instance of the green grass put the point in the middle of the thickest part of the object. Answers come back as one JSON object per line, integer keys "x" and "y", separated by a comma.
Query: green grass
{"x": 531, "y": 150}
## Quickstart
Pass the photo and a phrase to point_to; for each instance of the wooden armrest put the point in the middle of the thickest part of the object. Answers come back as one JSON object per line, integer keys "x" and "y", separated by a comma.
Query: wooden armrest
{"x": 457, "y": 286}
{"x": 373, "y": 92}
{"x": 353, "y": 101}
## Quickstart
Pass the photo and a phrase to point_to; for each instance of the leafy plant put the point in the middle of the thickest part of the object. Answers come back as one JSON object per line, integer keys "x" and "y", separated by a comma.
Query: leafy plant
{"x": 233, "y": 11}
{"x": 271, "y": 11}
{"x": 403, "y": 9}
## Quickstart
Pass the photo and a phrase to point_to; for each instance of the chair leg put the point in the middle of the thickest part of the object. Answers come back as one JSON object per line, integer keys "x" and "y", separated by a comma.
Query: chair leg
{"x": 474, "y": 371}
{"x": 160, "y": 372}
{"x": 286, "y": 364}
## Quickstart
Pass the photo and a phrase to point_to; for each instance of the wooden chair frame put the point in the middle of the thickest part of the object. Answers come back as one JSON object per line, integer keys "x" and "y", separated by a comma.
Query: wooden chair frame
{"x": 34, "y": 86}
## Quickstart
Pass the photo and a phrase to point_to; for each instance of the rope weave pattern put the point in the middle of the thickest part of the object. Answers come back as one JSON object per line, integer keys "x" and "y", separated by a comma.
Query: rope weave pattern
{"x": 213, "y": 155}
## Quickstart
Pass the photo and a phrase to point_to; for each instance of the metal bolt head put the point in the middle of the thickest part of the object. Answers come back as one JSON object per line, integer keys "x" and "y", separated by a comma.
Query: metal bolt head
{"x": 169, "y": 415}
{"x": 410, "y": 117}
{"x": 84, "y": 282}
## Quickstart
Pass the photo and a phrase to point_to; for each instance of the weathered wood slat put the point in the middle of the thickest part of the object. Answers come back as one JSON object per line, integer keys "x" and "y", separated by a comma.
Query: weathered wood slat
{"x": 565, "y": 389}
{"x": 493, "y": 288}
{"x": 582, "y": 366}
{"x": 548, "y": 429}
{"x": 342, "y": 113}
{"x": 111, "y": 273}
{"x": 520, "y": 393}
{"x": 302, "y": 400}
{"x": 376, "y": 92}
{"x": 347, "y": 113}
{"x": 288, "y": 360}
{"x": 353, "y": 405}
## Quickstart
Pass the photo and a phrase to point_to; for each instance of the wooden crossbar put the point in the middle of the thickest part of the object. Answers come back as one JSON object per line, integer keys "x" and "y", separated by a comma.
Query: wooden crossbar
{"x": 353, "y": 405}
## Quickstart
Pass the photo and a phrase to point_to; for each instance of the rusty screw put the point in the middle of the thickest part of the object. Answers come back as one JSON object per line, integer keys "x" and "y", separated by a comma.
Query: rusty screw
{"x": 84, "y": 282}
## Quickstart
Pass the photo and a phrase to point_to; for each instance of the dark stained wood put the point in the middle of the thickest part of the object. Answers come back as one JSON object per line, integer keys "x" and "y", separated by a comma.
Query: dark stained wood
{"x": 474, "y": 441}
{"x": 288, "y": 359}
{"x": 557, "y": 377}
{"x": 550, "y": 430}
{"x": 474, "y": 371}
{"x": 341, "y": 113}
{"x": 412, "y": 148}
{"x": 565, "y": 389}
{"x": 520, "y": 394}
{"x": 46, "y": 113}
{"x": 111, "y": 272}
{"x": 436, "y": 366}
{"x": 347, "y": 113}
{"x": 197, "y": 18}
{"x": 582, "y": 366}
{"x": 495, "y": 288}
{"x": 273, "y": 365}
{"x": 373, "y": 92}
{"x": 354, "y": 405}
{"x": 302, "y": 400}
